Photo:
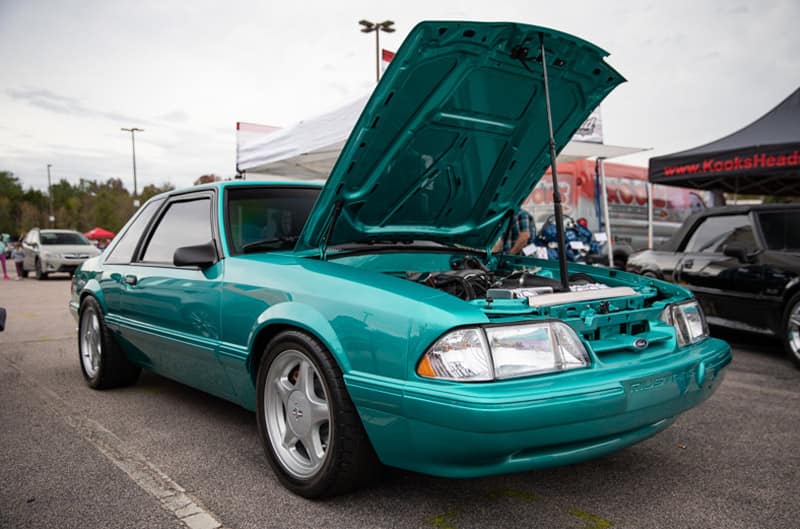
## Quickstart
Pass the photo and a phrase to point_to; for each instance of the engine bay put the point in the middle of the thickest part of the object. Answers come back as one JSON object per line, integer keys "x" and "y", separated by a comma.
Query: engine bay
{"x": 513, "y": 285}
{"x": 469, "y": 279}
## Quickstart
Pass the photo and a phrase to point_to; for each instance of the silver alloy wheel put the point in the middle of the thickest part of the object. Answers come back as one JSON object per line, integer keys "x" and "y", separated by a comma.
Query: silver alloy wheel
{"x": 793, "y": 330}
{"x": 91, "y": 342}
{"x": 297, "y": 414}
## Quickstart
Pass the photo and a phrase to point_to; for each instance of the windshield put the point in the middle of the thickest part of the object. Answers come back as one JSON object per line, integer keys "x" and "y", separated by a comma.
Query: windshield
{"x": 781, "y": 229}
{"x": 62, "y": 237}
{"x": 263, "y": 219}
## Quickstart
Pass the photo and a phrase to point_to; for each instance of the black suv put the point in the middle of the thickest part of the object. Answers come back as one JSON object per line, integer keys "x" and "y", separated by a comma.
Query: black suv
{"x": 743, "y": 265}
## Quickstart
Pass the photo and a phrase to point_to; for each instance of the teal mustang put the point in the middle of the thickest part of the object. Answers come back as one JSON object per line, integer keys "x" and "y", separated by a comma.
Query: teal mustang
{"x": 368, "y": 320}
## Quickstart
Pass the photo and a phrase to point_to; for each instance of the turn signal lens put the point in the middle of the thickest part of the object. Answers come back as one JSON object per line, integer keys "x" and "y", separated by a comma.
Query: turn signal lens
{"x": 688, "y": 320}
{"x": 459, "y": 355}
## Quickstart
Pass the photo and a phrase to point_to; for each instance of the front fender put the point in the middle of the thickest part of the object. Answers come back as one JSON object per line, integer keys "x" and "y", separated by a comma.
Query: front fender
{"x": 306, "y": 317}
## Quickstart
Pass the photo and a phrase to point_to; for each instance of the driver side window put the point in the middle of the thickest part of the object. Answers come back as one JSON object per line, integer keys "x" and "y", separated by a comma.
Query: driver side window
{"x": 716, "y": 232}
{"x": 185, "y": 223}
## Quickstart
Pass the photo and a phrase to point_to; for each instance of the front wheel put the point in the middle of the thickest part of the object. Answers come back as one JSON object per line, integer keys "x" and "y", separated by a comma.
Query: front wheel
{"x": 309, "y": 428}
{"x": 103, "y": 363}
{"x": 791, "y": 333}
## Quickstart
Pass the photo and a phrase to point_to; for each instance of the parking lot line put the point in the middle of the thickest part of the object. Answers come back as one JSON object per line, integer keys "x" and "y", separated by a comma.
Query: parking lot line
{"x": 171, "y": 496}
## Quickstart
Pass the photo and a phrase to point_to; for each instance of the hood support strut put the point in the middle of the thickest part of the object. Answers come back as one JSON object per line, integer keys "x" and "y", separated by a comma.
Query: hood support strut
{"x": 323, "y": 245}
{"x": 559, "y": 213}
{"x": 521, "y": 53}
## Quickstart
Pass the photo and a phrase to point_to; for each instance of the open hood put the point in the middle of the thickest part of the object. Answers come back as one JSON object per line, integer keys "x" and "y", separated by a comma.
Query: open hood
{"x": 455, "y": 135}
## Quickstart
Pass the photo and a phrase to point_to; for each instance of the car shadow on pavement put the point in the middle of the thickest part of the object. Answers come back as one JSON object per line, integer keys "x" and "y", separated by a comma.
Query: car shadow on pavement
{"x": 748, "y": 340}
{"x": 754, "y": 352}
{"x": 193, "y": 426}
{"x": 52, "y": 276}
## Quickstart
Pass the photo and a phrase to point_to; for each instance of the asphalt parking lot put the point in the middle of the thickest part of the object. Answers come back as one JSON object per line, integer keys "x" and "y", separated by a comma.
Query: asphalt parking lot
{"x": 161, "y": 455}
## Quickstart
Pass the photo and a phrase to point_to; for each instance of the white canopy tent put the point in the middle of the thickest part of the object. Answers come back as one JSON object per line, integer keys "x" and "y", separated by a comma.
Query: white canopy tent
{"x": 308, "y": 149}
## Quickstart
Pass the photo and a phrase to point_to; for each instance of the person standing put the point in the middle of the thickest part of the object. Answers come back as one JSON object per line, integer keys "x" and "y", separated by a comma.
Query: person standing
{"x": 3, "y": 258}
{"x": 520, "y": 233}
{"x": 19, "y": 257}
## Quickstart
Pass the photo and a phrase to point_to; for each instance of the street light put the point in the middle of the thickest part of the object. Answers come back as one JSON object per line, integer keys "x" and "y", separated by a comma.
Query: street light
{"x": 50, "y": 216}
{"x": 377, "y": 27}
{"x": 133, "y": 144}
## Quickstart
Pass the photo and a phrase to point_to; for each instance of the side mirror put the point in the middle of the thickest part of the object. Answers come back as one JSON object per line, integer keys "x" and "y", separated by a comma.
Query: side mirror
{"x": 739, "y": 252}
{"x": 201, "y": 255}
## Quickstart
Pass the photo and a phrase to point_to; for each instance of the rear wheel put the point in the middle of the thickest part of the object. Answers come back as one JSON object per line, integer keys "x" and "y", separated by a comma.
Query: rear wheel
{"x": 791, "y": 340}
{"x": 103, "y": 363}
{"x": 309, "y": 427}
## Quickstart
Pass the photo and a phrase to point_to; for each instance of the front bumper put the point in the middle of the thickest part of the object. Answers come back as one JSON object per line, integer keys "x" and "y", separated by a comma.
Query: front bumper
{"x": 61, "y": 264}
{"x": 467, "y": 430}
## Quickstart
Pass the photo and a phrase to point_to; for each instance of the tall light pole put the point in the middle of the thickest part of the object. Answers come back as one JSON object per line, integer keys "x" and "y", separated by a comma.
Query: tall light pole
{"x": 377, "y": 27}
{"x": 50, "y": 216}
{"x": 133, "y": 145}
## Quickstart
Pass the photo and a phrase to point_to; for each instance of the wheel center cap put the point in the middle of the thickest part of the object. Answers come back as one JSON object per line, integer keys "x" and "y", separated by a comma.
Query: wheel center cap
{"x": 298, "y": 415}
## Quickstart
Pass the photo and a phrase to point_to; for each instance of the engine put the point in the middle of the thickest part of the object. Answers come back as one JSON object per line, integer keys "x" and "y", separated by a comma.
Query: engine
{"x": 470, "y": 279}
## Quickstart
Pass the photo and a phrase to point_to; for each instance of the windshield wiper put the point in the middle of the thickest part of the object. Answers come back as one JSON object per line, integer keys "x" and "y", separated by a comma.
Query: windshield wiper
{"x": 406, "y": 242}
{"x": 280, "y": 243}
{"x": 384, "y": 242}
{"x": 377, "y": 245}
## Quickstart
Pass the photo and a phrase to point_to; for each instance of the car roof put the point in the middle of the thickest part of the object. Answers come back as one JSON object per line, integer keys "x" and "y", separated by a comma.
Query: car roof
{"x": 674, "y": 242}
{"x": 744, "y": 208}
{"x": 57, "y": 230}
{"x": 240, "y": 183}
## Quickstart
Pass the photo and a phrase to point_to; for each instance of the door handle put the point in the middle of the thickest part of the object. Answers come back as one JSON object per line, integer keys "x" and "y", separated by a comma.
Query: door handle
{"x": 688, "y": 263}
{"x": 130, "y": 280}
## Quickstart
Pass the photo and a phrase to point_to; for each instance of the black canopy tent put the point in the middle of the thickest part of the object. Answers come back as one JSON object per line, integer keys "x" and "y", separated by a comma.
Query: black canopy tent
{"x": 763, "y": 158}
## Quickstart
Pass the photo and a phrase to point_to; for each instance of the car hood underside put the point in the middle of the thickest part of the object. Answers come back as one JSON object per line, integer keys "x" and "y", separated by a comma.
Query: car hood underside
{"x": 455, "y": 135}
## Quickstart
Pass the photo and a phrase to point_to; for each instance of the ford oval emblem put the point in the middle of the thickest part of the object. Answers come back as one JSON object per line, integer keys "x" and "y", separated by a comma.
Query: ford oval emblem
{"x": 640, "y": 343}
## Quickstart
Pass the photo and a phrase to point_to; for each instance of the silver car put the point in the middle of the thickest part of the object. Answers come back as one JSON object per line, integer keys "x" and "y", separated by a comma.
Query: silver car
{"x": 48, "y": 251}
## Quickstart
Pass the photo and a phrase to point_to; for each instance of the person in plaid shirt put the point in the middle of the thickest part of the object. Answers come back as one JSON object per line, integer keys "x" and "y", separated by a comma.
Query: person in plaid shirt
{"x": 519, "y": 234}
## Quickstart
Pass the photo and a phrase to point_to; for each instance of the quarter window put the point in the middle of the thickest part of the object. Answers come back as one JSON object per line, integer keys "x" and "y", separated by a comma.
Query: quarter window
{"x": 185, "y": 223}
{"x": 716, "y": 232}
{"x": 122, "y": 252}
{"x": 781, "y": 229}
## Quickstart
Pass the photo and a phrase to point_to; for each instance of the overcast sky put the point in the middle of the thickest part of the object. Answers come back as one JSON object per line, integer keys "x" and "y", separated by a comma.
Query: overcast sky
{"x": 73, "y": 73}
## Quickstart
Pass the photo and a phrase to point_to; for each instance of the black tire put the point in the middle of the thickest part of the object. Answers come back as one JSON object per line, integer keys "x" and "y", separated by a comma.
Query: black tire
{"x": 791, "y": 331}
{"x": 650, "y": 273}
{"x": 37, "y": 270}
{"x": 349, "y": 460}
{"x": 112, "y": 368}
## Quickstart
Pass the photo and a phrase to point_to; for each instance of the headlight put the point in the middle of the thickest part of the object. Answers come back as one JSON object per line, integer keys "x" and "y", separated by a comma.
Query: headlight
{"x": 458, "y": 355}
{"x": 50, "y": 255}
{"x": 478, "y": 354}
{"x": 688, "y": 320}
